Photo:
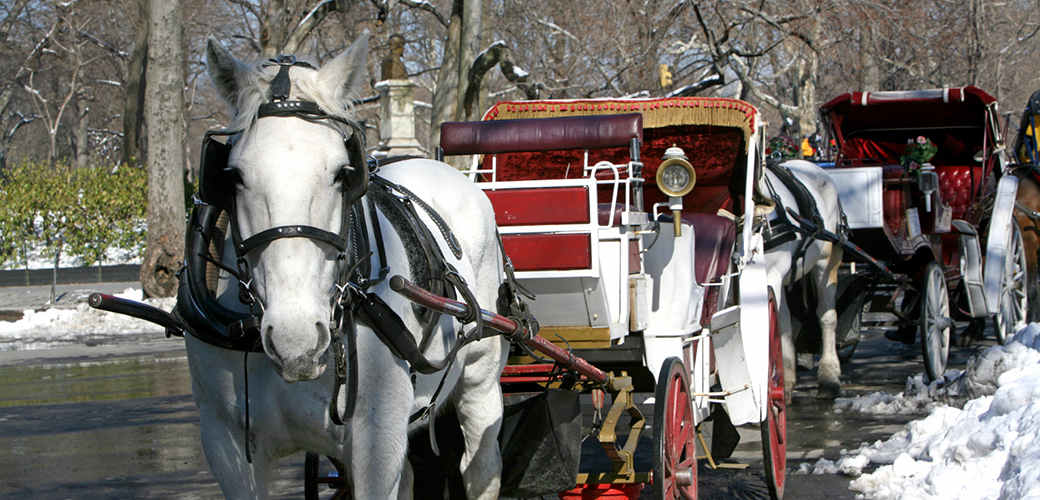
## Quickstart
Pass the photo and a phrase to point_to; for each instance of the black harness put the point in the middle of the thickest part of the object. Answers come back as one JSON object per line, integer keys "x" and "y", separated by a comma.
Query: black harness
{"x": 212, "y": 323}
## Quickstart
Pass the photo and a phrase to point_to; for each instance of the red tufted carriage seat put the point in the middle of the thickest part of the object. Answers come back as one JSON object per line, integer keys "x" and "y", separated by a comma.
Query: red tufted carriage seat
{"x": 957, "y": 186}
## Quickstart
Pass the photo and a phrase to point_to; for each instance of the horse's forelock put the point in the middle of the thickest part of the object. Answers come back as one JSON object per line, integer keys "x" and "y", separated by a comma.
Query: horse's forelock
{"x": 253, "y": 91}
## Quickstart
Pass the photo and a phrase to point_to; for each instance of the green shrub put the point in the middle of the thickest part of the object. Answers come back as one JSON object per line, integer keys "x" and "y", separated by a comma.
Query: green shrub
{"x": 86, "y": 210}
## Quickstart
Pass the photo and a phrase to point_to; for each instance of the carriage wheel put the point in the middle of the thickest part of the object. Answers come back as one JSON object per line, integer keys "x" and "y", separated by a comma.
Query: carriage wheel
{"x": 774, "y": 427}
{"x": 935, "y": 321}
{"x": 1013, "y": 300}
{"x": 675, "y": 454}
{"x": 310, "y": 477}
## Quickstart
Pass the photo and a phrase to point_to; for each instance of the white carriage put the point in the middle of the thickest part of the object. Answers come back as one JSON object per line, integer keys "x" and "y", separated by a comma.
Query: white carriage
{"x": 617, "y": 215}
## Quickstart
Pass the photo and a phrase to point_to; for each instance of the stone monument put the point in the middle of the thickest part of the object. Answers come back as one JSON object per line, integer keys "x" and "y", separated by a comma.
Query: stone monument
{"x": 396, "y": 105}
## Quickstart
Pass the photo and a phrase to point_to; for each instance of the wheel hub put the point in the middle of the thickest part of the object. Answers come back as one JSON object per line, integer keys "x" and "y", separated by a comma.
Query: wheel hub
{"x": 684, "y": 476}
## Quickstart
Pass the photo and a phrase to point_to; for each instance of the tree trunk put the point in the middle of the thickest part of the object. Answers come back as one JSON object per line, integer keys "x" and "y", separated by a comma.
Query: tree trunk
{"x": 275, "y": 28}
{"x": 163, "y": 108}
{"x": 869, "y": 75}
{"x": 807, "y": 95}
{"x": 469, "y": 47}
{"x": 445, "y": 94}
{"x": 134, "y": 145}
{"x": 81, "y": 134}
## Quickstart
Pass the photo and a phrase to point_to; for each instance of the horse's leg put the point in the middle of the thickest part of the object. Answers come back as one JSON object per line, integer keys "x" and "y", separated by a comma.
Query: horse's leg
{"x": 825, "y": 276}
{"x": 224, "y": 448}
{"x": 479, "y": 404}
{"x": 1031, "y": 243}
{"x": 379, "y": 427}
{"x": 406, "y": 490}
{"x": 216, "y": 383}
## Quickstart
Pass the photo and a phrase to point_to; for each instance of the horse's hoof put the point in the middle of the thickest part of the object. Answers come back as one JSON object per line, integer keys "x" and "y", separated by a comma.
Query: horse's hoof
{"x": 829, "y": 391}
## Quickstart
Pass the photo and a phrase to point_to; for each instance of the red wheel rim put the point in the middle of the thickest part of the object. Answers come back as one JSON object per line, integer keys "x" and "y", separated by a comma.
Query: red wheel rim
{"x": 675, "y": 460}
{"x": 774, "y": 428}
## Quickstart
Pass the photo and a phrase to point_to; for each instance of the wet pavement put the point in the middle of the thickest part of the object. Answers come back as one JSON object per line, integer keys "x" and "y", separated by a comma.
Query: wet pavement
{"x": 114, "y": 418}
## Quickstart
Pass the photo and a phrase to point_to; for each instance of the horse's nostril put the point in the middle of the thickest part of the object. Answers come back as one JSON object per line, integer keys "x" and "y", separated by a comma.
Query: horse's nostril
{"x": 269, "y": 345}
{"x": 323, "y": 337}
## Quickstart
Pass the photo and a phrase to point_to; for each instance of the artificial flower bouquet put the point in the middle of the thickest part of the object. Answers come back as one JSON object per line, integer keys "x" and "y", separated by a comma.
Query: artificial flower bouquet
{"x": 918, "y": 152}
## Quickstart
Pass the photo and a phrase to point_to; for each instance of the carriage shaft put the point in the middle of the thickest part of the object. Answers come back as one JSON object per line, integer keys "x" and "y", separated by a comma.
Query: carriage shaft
{"x": 499, "y": 323}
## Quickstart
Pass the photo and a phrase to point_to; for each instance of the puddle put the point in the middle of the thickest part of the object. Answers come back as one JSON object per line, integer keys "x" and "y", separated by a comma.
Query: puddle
{"x": 160, "y": 374}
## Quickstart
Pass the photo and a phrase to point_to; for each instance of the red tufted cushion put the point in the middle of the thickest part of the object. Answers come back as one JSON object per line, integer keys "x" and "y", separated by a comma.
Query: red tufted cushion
{"x": 956, "y": 185}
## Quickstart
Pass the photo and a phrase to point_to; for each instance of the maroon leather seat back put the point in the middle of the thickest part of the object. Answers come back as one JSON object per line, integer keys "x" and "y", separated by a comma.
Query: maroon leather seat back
{"x": 714, "y": 238}
{"x": 543, "y": 134}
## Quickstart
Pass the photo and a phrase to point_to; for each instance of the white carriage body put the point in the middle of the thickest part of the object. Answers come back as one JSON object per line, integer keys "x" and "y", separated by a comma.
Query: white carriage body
{"x": 638, "y": 279}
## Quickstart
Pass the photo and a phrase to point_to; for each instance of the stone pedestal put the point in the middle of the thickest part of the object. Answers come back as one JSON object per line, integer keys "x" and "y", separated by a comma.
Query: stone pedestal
{"x": 397, "y": 119}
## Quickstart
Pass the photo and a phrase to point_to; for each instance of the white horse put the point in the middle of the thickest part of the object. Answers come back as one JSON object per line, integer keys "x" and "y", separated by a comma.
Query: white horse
{"x": 289, "y": 172}
{"x": 786, "y": 264}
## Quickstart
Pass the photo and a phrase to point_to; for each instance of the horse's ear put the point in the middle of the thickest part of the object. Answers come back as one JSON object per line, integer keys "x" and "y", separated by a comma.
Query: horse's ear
{"x": 224, "y": 71}
{"x": 341, "y": 78}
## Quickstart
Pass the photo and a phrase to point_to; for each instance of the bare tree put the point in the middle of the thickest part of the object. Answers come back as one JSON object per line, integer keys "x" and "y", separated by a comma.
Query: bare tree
{"x": 164, "y": 105}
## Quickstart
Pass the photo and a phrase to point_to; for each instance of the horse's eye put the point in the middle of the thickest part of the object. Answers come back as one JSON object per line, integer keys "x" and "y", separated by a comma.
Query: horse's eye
{"x": 342, "y": 173}
{"x": 235, "y": 175}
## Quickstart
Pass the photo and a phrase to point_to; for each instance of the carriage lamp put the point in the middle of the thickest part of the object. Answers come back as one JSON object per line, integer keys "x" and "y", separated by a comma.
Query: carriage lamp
{"x": 675, "y": 178}
{"x": 927, "y": 182}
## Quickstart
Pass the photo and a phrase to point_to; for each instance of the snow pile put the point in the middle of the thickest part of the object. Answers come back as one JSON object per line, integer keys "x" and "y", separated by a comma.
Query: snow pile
{"x": 66, "y": 324}
{"x": 990, "y": 448}
{"x": 920, "y": 396}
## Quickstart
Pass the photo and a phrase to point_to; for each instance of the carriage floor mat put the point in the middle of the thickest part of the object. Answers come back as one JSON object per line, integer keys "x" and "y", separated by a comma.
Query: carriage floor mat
{"x": 907, "y": 336}
{"x": 541, "y": 444}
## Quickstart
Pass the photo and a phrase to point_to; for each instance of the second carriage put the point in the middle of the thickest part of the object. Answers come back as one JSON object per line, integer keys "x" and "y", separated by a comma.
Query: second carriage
{"x": 940, "y": 225}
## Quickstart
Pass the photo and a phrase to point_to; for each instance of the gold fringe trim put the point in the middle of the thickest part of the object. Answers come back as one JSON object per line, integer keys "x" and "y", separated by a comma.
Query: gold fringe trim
{"x": 656, "y": 113}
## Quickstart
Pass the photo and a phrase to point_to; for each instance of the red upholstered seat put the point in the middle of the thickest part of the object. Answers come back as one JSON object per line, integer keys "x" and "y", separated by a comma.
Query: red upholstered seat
{"x": 714, "y": 237}
{"x": 957, "y": 184}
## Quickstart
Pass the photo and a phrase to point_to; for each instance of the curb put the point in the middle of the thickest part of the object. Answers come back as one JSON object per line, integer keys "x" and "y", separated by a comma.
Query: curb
{"x": 70, "y": 276}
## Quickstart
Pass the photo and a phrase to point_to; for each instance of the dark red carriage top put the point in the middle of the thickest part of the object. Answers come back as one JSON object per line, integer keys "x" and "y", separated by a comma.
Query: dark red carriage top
{"x": 878, "y": 124}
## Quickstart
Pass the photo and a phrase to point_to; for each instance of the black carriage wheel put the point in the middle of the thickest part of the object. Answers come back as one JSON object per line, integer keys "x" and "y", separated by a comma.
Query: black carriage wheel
{"x": 935, "y": 321}
{"x": 1013, "y": 299}
{"x": 774, "y": 427}
{"x": 310, "y": 477}
{"x": 675, "y": 452}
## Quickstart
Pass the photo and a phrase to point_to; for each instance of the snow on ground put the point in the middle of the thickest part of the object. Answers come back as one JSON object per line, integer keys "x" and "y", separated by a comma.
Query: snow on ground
{"x": 981, "y": 439}
{"x": 42, "y": 258}
{"x": 39, "y": 329}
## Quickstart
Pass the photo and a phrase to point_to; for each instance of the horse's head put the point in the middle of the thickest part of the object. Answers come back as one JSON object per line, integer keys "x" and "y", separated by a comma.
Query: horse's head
{"x": 291, "y": 169}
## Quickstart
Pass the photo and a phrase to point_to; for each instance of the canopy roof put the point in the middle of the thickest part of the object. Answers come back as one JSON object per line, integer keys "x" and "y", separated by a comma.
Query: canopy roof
{"x": 857, "y": 112}
{"x": 657, "y": 113}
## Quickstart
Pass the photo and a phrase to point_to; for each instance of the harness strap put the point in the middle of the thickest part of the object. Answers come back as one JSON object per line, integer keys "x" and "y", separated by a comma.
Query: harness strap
{"x": 449, "y": 236}
{"x": 264, "y": 237}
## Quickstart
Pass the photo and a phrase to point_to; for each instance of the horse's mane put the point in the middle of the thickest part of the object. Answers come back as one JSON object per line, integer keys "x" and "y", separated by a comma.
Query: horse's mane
{"x": 253, "y": 91}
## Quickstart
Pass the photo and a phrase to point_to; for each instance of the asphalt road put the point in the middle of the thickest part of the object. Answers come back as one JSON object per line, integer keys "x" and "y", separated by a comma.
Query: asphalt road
{"x": 115, "y": 419}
